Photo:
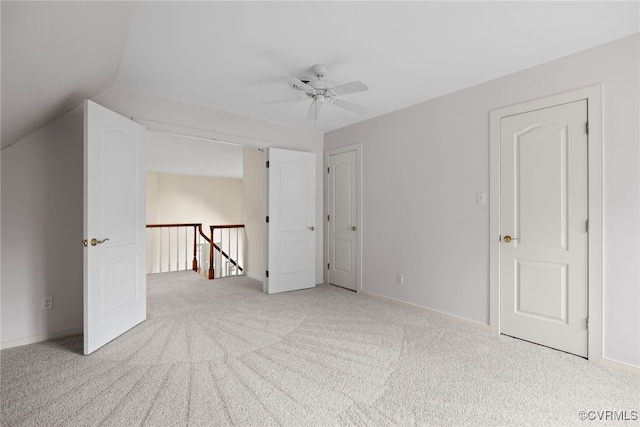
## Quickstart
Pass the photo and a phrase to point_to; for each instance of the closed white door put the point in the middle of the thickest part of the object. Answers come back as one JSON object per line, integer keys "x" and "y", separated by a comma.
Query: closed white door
{"x": 114, "y": 226}
{"x": 543, "y": 222}
{"x": 342, "y": 219}
{"x": 291, "y": 228}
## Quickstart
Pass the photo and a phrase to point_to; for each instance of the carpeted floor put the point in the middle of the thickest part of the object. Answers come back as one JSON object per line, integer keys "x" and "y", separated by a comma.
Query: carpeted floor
{"x": 223, "y": 353}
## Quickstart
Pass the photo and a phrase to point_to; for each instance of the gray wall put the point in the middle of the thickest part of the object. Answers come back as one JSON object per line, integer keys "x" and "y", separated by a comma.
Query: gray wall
{"x": 422, "y": 168}
{"x": 42, "y": 183}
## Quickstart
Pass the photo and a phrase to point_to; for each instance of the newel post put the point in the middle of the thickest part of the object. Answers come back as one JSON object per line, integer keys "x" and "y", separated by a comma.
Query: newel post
{"x": 211, "y": 269}
{"x": 194, "y": 264}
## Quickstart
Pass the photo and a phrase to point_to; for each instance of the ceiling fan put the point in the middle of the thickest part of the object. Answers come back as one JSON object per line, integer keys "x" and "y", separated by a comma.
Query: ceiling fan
{"x": 320, "y": 91}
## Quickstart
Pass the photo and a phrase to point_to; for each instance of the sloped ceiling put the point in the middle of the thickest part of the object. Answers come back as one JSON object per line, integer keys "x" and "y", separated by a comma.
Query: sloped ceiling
{"x": 233, "y": 56}
{"x": 54, "y": 55}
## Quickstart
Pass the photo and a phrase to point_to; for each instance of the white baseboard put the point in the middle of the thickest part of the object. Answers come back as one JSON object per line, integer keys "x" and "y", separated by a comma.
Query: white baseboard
{"x": 620, "y": 366}
{"x": 39, "y": 338}
{"x": 453, "y": 317}
{"x": 255, "y": 277}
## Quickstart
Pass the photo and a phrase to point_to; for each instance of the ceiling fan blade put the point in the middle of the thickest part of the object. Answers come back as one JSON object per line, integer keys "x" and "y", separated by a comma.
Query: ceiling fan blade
{"x": 279, "y": 101}
{"x": 352, "y": 87}
{"x": 299, "y": 84}
{"x": 350, "y": 106}
{"x": 314, "y": 110}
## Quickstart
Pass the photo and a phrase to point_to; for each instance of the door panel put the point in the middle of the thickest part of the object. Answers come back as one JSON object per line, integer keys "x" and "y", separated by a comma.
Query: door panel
{"x": 342, "y": 219}
{"x": 291, "y": 254}
{"x": 543, "y": 193}
{"x": 114, "y": 209}
{"x": 541, "y": 186}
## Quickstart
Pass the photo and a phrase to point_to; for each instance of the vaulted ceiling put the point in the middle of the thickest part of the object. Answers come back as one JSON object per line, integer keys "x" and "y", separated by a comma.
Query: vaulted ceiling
{"x": 233, "y": 56}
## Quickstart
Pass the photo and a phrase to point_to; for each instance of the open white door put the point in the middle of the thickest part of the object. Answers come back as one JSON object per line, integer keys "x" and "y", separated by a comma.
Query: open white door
{"x": 114, "y": 225}
{"x": 291, "y": 210}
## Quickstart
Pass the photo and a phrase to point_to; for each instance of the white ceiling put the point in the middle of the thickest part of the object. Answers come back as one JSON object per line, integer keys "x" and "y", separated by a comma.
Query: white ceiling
{"x": 233, "y": 56}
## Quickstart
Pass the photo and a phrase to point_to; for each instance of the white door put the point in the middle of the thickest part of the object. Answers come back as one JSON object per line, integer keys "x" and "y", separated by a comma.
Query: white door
{"x": 114, "y": 226}
{"x": 342, "y": 220}
{"x": 543, "y": 223}
{"x": 291, "y": 228}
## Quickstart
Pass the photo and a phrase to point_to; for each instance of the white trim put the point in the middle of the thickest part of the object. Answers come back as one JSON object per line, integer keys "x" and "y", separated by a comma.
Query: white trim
{"x": 448, "y": 316}
{"x": 40, "y": 337}
{"x": 180, "y": 130}
{"x": 593, "y": 95}
{"x": 358, "y": 149}
{"x": 619, "y": 366}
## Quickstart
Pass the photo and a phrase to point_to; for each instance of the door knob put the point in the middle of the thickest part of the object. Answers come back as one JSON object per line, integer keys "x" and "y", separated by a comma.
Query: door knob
{"x": 95, "y": 241}
{"x": 353, "y": 228}
{"x": 312, "y": 228}
{"x": 508, "y": 238}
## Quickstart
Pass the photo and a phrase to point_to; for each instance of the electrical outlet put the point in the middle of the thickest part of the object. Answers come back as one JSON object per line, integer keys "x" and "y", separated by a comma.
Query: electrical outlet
{"x": 400, "y": 279}
{"x": 47, "y": 303}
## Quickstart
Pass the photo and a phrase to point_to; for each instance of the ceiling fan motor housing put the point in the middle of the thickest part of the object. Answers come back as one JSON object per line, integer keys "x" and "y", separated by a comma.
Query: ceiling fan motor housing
{"x": 319, "y": 70}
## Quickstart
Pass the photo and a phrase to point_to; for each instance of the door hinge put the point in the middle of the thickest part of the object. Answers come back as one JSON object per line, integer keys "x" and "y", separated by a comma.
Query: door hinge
{"x": 587, "y": 322}
{"x": 327, "y": 170}
{"x": 267, "y": 272}
{"x": 587, "y": 127}
{"x": 328, "y": 266}
{"x": 267, "y": 218}
{"x": 267, "y": 163}
{"x": 328, "y": 218}
{"x": 587, "y": 225}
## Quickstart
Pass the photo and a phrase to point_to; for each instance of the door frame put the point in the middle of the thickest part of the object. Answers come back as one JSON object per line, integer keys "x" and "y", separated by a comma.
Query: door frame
{"x": 358, "y": 149}
{"x": 593, "y": 95}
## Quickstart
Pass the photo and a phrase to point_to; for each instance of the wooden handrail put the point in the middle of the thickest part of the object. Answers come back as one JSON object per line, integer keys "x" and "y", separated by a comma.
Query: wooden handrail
{"x": 173, "y": 225}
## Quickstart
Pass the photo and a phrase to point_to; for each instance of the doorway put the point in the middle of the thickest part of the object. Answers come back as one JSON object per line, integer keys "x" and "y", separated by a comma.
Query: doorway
{"x": 546, "y": 232}
{"x": 105, "y": 317}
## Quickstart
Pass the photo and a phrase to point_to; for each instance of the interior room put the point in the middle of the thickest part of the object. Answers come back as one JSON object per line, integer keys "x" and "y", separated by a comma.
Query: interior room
{"x": 440, "y": 204}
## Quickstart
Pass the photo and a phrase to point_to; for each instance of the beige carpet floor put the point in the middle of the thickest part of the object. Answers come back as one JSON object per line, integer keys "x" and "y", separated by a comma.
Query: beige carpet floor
{"x": 223, "y": 353}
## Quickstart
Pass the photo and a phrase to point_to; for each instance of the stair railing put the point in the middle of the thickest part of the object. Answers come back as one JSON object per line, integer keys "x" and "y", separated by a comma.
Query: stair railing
{"x": 210, "y": 270}
{"x": 218, "y": 255}
{"x": 168, "y": 247}
{"x": 229, "y": 243}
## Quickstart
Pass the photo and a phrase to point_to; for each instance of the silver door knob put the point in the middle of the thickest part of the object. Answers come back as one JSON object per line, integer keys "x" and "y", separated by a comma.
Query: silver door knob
{"x": 353, "y": 228}
{"x": 312, "y": 228}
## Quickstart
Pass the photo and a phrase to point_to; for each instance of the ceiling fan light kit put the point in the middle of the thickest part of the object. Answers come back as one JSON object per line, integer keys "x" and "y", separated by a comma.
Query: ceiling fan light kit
{"x": 321, "y": 91}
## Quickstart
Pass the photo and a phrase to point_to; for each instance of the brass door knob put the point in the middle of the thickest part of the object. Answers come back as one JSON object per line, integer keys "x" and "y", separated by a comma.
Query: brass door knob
{"x": 95, "y": 241}
{"x": 508, "y": 238}
{"x": 312, "y": 228}
{"x": 353, "y": 228}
